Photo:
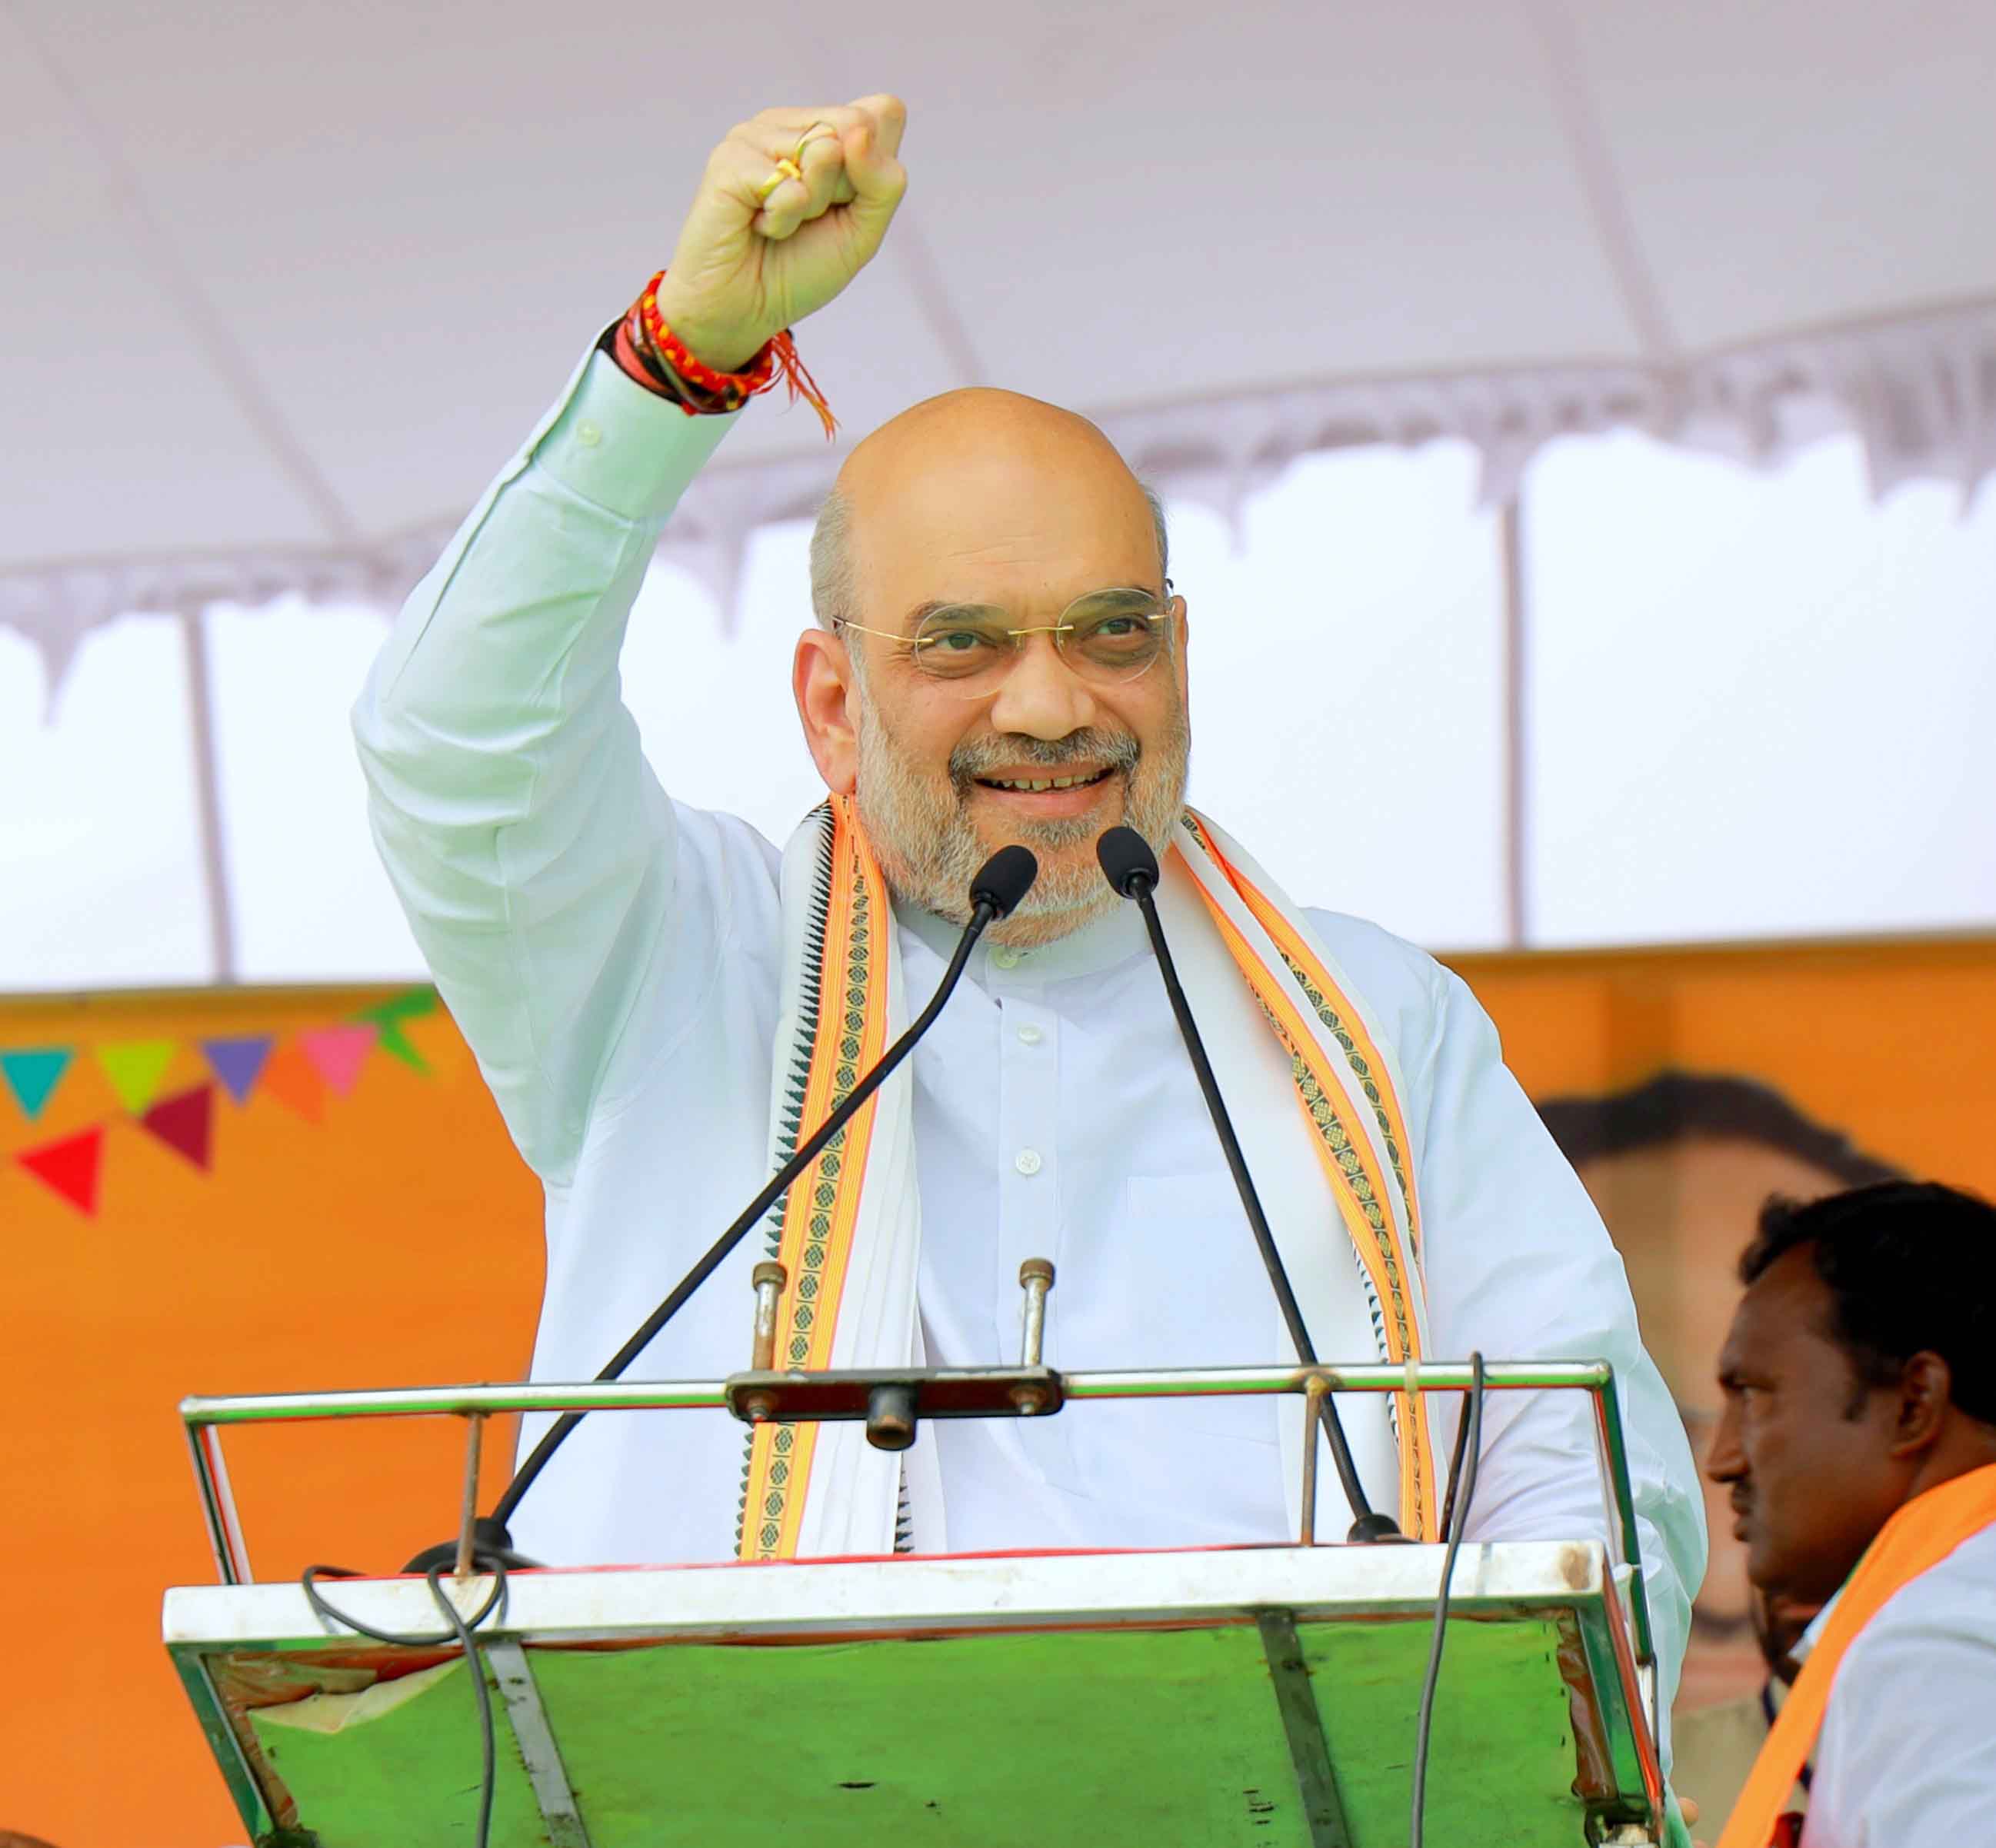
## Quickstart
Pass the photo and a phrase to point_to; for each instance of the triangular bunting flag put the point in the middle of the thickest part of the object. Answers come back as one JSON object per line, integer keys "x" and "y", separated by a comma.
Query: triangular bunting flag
{"x": 134, "y": 1067}
{"x": 290, "y": 1078}
{"x": 421, "y": 999}
{"x": 33, "y": 1073}
{"x": 337, "y": 1053}
{"x": 238, "y": 1062}
{"x": 183, "y": 1121}
{"x": 70, "y": 1166}
{"x": 388, "y": 1019}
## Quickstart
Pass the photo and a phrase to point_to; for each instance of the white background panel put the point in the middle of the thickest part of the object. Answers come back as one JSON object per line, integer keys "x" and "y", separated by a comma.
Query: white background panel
{"x": 1760, "y": 704}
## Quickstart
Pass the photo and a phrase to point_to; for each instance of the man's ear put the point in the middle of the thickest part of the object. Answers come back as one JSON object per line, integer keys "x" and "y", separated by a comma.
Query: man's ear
{"x": 821, "y": 677}
{"x": 1926, "y": 1386}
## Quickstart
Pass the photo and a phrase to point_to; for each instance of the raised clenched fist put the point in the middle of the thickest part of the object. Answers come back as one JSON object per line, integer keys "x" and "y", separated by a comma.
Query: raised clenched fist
{"x": 759, "y": 250}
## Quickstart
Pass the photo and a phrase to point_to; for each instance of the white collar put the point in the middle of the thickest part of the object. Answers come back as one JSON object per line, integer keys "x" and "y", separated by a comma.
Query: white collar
{"x": 1809, "y": 1637}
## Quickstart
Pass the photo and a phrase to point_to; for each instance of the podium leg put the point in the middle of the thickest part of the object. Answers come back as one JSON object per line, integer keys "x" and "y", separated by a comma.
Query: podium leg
{"x": 539, "y": 1752}
{"x": 1303, "y": 1728}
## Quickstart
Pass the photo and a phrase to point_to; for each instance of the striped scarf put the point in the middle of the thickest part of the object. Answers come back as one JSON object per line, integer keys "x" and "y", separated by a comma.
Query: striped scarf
{"x": 848, "y": 1235}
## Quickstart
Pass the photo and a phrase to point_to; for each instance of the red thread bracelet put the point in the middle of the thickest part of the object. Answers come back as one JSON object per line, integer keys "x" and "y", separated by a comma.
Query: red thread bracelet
{"x": 656, "y": 343}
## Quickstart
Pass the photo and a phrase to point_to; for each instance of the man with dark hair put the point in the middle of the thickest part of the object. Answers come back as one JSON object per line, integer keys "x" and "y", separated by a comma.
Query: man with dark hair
{"x": 1859, "y": 1441}
{"x": 1679, "y": 1166}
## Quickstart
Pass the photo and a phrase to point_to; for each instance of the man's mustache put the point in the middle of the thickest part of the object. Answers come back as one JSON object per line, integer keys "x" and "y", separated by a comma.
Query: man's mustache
{"x": 1117, "y": 750}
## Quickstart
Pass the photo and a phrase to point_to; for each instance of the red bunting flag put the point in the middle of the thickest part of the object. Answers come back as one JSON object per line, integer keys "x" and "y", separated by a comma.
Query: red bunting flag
{"x": 70, "y": 1166}
{"x": 183, "y": 1122}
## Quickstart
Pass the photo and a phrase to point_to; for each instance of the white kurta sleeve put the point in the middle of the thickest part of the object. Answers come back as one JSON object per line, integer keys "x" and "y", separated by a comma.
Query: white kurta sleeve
{"x": 1519, "y": 1265}
{"x": 1907, "y": 1755}
{"x": 532, "y": 850}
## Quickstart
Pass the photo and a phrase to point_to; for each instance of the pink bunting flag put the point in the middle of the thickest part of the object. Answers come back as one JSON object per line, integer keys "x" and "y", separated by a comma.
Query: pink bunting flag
{"x": 338, "y": 1053}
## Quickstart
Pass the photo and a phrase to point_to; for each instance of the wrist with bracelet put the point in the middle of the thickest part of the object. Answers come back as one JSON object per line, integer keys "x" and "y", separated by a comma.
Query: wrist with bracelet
{"x": 649, "y": 350}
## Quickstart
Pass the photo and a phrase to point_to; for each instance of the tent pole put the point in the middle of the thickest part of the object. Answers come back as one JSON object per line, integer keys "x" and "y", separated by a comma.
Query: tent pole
{"x": 1517, "y": 909}
{"x": 208, "y": 796}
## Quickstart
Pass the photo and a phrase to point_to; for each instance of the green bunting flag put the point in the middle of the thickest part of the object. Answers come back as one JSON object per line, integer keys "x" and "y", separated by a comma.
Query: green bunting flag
{"x": 388, "y": 1019}
{"x": 134, "y": 1067}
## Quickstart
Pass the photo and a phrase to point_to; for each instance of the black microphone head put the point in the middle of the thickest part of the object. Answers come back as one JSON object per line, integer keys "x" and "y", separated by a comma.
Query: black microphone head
{"x": 1127, "y": 859}
{"x": 1005, "y": 879}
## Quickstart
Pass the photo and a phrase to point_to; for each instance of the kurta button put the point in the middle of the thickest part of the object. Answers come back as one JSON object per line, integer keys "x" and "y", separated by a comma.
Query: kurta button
{"x": 1006, "y": 956}
{"x": 588, "y": 434}
{"x": 1030, "y": 1035}
{"x": 1026, "y": 1161}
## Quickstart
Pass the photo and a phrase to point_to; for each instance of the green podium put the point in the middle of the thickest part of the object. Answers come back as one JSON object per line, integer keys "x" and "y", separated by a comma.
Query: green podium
{"x": 1253, "y": 1697}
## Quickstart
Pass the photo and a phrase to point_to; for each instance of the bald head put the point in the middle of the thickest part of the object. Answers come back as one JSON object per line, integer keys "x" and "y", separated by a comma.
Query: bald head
{"x": 979, "y": 478}
{"x": 1008, "y": 513}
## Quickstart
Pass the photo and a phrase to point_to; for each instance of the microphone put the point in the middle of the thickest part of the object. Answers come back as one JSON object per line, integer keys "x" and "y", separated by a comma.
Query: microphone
{"x": 1001, "y": 883}
{"x": 1131, "y": 868}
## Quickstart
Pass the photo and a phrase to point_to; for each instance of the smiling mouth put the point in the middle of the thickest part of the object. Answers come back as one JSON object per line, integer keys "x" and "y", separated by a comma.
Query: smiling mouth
{"x": 1034, "y": 786}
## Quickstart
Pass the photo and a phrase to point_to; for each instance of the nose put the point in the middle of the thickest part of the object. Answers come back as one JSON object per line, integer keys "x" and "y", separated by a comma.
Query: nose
{"x": 1726, "y": 1460}
{"x": 1042, "y": 697}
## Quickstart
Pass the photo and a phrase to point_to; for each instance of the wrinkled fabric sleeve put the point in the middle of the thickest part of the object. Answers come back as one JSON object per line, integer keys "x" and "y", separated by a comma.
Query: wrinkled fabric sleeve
{"x": 532, "y": 849}
{"x": 1912, "y": 1759}
{"x": 1519, "y": 1266}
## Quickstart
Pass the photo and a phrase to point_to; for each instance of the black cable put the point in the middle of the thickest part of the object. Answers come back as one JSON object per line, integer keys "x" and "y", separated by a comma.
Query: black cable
{"x": 460, "y": 1632}
{"x": 1011, "y": 880}
{"x": 1454, "y": 1520}
{"x": 1455, "y": 1458}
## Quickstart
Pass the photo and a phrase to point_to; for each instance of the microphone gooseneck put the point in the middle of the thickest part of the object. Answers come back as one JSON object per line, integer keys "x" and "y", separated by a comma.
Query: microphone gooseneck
{"x": 1131, "y": 868}
{"x": 1001, "y": 883}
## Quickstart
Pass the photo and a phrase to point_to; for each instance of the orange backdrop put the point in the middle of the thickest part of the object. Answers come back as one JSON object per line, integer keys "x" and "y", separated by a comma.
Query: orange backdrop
{"x": 360, "y": 1221}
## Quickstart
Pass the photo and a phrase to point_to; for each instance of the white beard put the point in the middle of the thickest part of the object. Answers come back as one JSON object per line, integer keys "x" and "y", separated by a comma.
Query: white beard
{"x": 928, "y": 847}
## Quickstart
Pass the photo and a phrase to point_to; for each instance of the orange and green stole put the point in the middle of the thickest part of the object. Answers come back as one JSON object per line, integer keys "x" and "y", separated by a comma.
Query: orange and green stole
{"x": 1922, "y": 1533}
{"x": 848, "y": 1235}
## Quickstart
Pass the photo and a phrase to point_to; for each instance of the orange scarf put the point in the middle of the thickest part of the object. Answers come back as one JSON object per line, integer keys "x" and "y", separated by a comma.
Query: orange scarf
{"x": 1920, "y": 1536}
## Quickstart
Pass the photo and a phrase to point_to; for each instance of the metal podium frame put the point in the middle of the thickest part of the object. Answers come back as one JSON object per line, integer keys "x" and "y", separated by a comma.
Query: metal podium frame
{"x": 1614, "y": 1623}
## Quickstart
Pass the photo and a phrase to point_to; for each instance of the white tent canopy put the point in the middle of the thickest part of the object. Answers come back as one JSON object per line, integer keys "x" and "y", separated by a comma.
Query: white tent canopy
{"x": 299, "y": 277}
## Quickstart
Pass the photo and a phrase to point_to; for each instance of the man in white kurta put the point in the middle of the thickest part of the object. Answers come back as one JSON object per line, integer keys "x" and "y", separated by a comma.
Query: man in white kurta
{"x": 613, "y": 958}
{"x": 1908, "y": 1750}
{"x": 1858, "y": 1443}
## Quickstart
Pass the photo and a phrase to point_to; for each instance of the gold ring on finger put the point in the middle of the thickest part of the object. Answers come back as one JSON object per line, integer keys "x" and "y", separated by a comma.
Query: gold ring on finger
{"x": 784, "y": 168}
